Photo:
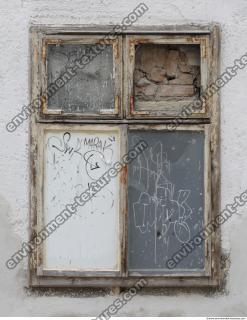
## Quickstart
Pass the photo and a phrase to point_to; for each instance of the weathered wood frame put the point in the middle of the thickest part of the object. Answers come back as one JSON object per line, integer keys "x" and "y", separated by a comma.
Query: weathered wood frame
{"x": 42, "y": 129}
{"x": 116, "y": 44}
{"x": 205, "y": 128}
{"x": 163, "y": 109}
{"x": 213, "y": 120}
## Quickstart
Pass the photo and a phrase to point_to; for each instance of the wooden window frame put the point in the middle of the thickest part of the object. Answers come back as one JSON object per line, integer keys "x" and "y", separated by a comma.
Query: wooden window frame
{"x": 210, "y": 119}
{"x": 166, "y": 110}
{"x": 205, "y": 128}
{"x": 46, "y": 40}
{"x": 41, "y": 130}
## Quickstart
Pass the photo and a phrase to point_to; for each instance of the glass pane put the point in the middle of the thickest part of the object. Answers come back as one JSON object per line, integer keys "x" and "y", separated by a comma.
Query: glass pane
{"x": 91, "y": 89}
{"x": 165, "y": 200}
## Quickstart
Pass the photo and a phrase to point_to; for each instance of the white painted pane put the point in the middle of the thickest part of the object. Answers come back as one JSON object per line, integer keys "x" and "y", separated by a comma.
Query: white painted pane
{"x": 89, "y": 240}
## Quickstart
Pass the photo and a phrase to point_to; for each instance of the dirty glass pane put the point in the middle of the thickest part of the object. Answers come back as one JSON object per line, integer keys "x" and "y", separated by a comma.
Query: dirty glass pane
{"x": 165, "y": 200}
{"x": 82, "y": 90}
{"x": 165, "y": 73}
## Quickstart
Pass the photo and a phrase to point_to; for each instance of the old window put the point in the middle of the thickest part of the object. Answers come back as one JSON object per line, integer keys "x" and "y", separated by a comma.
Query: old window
{"x": 100, "y": 99}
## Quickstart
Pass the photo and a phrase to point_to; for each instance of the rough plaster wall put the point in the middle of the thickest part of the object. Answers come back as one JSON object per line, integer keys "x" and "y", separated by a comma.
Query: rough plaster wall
{"x": 15, "y": 17}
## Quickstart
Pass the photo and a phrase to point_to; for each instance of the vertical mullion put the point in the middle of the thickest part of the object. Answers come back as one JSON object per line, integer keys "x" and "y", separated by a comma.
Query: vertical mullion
{"x": 124, "y": 201}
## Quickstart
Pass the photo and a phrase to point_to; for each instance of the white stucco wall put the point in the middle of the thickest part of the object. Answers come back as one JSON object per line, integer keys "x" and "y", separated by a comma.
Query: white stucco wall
{"x": 15, "y": 18}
